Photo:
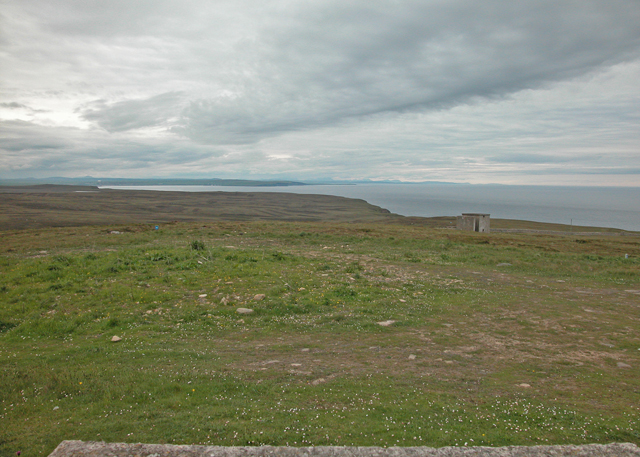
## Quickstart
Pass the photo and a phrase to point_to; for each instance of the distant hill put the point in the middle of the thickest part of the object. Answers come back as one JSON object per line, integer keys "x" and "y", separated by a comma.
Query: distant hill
{"x": 25, "y": 207}
{"x": 91, "y": 181}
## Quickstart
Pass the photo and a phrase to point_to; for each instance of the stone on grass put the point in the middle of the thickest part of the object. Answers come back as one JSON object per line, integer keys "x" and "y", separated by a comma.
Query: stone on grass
{"x": 244, "y": 310}
{"x": 504, "y": 264}
{"x": 623, "y": 365}
{"x": 259, "y": 297}
{"x": 525, "y": 385}
{"x": 412, "y": 356}
{"x": 386, "y": 323}
{"x": 115, "y": 339}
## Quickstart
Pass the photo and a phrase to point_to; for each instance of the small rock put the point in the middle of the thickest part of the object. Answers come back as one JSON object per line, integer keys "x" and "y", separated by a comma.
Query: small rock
{"x": 240, "y": 321}
{"x": 560, "y": 280}
{"x": 115, "y": 339}
{"x": 402, "y": 301}
{"x": 296, "y": 364}
{"x": 525, "y": 385}
{"x": 115, "y": 232}
{"x": 449, "y": 362}
{"x": 386, "y": 323}
{"x": 318, "y": 381}
{"x": 623, "y": 365}
{"x": 448, "y": 325}
{"x": 304, "y": 350}
{"x": 259, "y": 297}
{"x": 412, "y": 356}
{"x": 505, "y": 264}
{"x": 224, "y": 301}
{"x": 244, "y": 310}
{"x": 202, "y": 296}
{"x": 55, "y": 408}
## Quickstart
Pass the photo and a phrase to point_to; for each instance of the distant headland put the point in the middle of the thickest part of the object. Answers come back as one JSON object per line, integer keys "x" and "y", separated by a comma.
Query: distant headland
{"x": 101, "y": 182}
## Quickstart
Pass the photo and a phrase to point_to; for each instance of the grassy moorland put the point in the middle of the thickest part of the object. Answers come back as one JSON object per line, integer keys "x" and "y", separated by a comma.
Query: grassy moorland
{"x": 496, "y": 339}
{"x": 24, "y": 207}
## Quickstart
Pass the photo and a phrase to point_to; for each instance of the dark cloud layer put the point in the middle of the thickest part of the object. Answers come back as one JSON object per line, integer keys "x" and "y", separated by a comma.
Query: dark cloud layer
{"x": 322, "y": 63}
{"x": 448, "y": 82}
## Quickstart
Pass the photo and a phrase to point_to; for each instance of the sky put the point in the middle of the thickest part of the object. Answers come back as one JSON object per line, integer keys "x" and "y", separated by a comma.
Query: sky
{"x": 513, "y": 92}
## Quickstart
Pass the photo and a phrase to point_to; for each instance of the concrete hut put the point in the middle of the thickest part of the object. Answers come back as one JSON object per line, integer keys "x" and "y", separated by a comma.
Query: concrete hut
{"x": 473, "y": 222}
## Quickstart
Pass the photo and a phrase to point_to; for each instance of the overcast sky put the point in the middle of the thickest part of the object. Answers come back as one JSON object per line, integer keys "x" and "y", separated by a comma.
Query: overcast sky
{"x": 514, "y": 92}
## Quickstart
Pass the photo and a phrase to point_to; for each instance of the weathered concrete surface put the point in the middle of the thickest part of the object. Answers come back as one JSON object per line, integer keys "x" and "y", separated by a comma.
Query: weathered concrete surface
{"x": 98, "y": 449}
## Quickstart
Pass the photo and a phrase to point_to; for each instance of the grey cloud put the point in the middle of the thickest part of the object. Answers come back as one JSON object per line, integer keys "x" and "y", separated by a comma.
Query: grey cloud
{"x": 247, "y": 70}
{"x": 13, "y": 105}
{"x": 20, "y": 106}
{"x": 536, "y": 158}
{"x": 33, "y": 149}
{"x": 134, "y": 114}
{"x": 18, "y": 136}
{"x": 618, "y": 170}
{"x": 324, "y": 63}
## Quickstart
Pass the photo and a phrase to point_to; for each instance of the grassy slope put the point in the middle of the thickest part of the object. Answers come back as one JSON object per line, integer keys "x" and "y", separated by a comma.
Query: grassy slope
{"x": 59, "y": 207}
{"x": 311, "y": 365}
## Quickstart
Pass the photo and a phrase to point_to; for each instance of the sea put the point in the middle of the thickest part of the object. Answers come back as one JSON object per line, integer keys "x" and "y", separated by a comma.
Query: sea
{"x": 615, "y": 207}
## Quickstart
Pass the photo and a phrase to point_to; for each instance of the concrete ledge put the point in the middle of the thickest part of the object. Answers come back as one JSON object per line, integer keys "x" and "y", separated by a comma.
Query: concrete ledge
{"x": 100, "y": 449}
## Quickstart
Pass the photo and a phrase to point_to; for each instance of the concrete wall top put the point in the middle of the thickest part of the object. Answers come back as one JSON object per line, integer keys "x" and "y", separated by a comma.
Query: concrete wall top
{"x": 101, "y": 449}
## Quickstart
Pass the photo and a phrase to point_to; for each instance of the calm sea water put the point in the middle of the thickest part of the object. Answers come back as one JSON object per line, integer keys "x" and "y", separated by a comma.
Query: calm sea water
{"x": 617, "y": 207}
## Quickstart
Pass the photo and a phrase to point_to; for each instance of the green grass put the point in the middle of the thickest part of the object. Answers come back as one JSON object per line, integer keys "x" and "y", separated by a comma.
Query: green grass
{"x": 310, "y": 365}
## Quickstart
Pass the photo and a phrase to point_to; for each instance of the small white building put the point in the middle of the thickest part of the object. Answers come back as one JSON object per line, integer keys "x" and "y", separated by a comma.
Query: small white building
{"x": 473, "y": 222}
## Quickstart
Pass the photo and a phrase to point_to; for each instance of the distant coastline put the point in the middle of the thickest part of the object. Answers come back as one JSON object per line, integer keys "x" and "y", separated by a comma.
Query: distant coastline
{"x": 104, "y": 182}
{"x": 613, "y": 207}
{"x": 585, "y": 206}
